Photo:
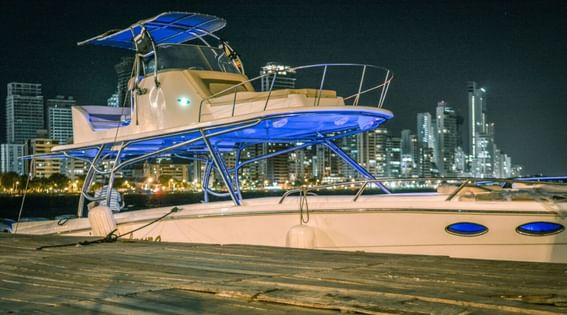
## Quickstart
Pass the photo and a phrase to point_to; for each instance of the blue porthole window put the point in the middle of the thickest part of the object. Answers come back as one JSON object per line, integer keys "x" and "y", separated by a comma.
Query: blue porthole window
{"x": 540, "y": 228}
{"x": 466, "y": 229}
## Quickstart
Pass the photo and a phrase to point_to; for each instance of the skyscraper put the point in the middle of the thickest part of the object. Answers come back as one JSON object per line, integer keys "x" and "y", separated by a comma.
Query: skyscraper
{"x": 393, "y": 156}
{"x": 350, "y": 146}
{"x": 372, "y": 151}
{"x": 477, "y": 115}
{"x": 476, "y": 125}
{"x": 425, "y": 132}
{"x": 59, "y": 119}
{"x": 284, "y": 76}
{"x": 24, "y": 111}
{"x": 407, "y": 150}
{"x": 10, "y": 158}
{"x": 427, "y": 152}
{"x": 43, "y": 167}
{"x": 276, "y": 169}
{"x": 446, "y": 121}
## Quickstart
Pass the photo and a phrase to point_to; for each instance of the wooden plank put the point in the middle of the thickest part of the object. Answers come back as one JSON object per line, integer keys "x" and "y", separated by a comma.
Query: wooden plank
{"x": 146, "y": 277}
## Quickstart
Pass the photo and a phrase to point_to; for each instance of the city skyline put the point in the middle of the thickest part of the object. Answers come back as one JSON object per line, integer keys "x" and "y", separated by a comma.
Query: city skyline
{"x": 514, "y": 54}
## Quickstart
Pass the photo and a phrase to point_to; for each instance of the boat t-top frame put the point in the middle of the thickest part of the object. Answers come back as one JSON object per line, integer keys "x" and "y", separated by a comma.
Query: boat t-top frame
{"x": 234, "y": 131}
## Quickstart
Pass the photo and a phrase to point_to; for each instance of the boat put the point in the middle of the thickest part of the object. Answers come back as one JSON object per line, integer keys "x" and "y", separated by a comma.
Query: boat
{"x": 189, "y": 97}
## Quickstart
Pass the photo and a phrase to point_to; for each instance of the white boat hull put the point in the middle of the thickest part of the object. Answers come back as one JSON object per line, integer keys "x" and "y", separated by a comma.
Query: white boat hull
{"x": 383, "y": 224}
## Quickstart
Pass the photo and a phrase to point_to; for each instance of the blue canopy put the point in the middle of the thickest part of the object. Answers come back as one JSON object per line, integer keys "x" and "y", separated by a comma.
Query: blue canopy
{"x": 280, "y": 128}
{"x": 166, "y": 28}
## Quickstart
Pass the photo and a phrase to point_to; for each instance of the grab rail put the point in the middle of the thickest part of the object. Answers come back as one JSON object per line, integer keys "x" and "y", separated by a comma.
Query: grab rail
{"x": 465, "y": 182}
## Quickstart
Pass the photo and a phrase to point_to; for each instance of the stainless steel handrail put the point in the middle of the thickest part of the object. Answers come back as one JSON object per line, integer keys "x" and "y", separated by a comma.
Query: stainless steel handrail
{"x": 383, "y": 85}
{"x": 466, "y": 182}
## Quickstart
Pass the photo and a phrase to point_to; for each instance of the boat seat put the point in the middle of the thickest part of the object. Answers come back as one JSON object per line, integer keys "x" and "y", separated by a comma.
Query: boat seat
{"x": 242, "y": 97}
{"x": 106, "y": 117}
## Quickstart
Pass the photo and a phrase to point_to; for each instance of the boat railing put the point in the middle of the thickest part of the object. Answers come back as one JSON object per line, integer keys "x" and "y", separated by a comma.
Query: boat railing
{"x": 368, "y": 79}
{"x": 486, "y": 184}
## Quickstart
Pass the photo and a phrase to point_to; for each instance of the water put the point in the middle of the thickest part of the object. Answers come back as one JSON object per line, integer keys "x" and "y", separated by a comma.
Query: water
{"x": 51, "y": 205}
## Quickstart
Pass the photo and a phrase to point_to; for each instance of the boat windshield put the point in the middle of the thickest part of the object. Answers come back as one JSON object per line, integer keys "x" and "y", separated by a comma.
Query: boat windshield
{"x": 192, "y": 57}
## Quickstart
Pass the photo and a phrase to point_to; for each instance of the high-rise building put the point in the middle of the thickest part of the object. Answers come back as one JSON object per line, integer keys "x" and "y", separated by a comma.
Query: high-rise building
{"x": 446, "y": 122}
{"x": 10, "y": 158}
{"x": 278, "y": 166}
{"x": 276, "y": 169}
{"x": 502, "y": 165}
{"x": 249, "y": 174}
{"x": 483, "y": 162}
{"x": 477, "y": 114}
{"x": 461, "y": 162}
{"x": 73, "y": 168}
{"x": 167, "y": 168}
{"x": 59, "y": 119}
{"x": 43, "y": 168}
{"x": 366, "y": 151}
{"x": 393, "y": 157}
{"x": 381, "y": 153}
{"x": 425, "y": 129}
{"x": 369, "y": 150}
{"x": 425, "y": 163}
{"x": 408, "y": 154}
{"x": 24, "y": 111}
{"x": 350, "y": 146}
{"x": 476, "y": 125}
{"x": 485, "y": 159}
{"x": 300, "y": 165}
{"x": 277, "y": 76}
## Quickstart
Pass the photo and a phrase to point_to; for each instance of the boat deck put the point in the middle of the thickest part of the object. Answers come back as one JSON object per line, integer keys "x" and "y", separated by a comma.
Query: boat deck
{"x": 169, "y": 278}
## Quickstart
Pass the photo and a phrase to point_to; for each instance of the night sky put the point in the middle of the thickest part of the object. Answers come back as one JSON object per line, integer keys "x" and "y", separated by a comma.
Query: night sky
{"x": 517, "y": 50}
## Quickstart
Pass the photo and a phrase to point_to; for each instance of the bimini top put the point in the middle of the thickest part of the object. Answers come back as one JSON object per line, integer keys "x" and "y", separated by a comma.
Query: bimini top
{"x": 166, "y": 28}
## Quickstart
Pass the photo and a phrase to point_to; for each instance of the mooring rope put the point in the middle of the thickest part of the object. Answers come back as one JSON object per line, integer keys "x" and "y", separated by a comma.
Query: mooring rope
{"x": 24, "y": 196}
{"x": 111, "y": 237}
{"x": 303, "y": 207}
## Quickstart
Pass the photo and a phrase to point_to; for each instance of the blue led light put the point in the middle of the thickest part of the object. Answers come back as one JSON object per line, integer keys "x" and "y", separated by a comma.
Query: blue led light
{"x": 289, "y": 128}
{"x": 466, "y": 229}
{"x": 540, "y": 228}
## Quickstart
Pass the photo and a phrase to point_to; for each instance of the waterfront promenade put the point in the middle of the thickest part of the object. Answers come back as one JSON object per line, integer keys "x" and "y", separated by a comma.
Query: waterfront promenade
{"x": 136, "y": 277}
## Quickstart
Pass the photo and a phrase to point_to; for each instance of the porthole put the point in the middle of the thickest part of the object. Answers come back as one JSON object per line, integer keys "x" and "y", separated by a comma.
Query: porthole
{"x": 540, "y": 228}
{"x": 466, "y": 229}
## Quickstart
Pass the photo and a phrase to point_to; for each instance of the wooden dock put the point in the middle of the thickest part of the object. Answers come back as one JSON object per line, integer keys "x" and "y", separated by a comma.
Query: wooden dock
{"x": 136, "y": 277}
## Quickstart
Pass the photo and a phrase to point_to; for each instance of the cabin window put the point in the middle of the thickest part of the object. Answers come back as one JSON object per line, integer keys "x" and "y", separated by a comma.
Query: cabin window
{"x": 541, "y": 228}
{"x": 466, "y": 229}
{"x": 191, "y": 57}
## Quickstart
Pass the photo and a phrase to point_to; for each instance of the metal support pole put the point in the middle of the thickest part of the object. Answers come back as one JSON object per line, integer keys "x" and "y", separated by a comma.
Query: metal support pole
{"x": 222, "y": 168}
{"x": 316, "y": 103}
{"x": 384, "y": 91}
{"x": 364, "y": 172}
{"x": 270, "y": 92}
{"x": 236, "y": 169}
{"x": 87, "y": 182}
{"x": 115, "y": 166}
{"x": 206, "y": 176}
{"x": 357, "y": 98}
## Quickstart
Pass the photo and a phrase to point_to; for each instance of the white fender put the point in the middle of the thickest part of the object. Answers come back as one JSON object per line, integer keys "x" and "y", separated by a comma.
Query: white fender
{"x": 300, "y": 236}
{"x": 101, "y": 220}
